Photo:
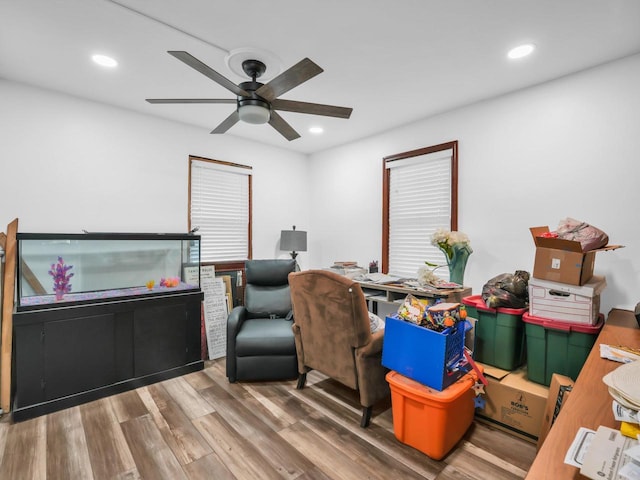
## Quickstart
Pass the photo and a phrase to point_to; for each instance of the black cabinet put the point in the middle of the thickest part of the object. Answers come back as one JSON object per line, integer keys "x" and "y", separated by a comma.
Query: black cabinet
{"x": 70, "y": 355}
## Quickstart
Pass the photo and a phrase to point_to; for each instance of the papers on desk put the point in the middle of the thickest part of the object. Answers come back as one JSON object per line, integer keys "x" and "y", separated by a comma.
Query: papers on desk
{"x": 624, "y": 414}
{"x": 378, "y": 278}
{"x": 624, "y": 384}
{"x": 605, "y": 454}
{"x": 447, "y": 285}
{"x": 439, "y": 285}
{"x": 608, "y": 453}
{"x": 383, "y": 279}
{"x": 619, "y": 353}
{"x": 579, "y": 446}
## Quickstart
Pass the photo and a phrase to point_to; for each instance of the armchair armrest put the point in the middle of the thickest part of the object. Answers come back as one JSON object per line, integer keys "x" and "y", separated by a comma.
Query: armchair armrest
{"x": 234, "y": 322}
{"x": 374, "y": 347}
{"x": 371, "y": 373}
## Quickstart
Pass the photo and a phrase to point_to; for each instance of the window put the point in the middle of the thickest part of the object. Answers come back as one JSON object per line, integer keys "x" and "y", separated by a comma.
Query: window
{"x": 420, "y": 195}
{"x": 220, "y": 206}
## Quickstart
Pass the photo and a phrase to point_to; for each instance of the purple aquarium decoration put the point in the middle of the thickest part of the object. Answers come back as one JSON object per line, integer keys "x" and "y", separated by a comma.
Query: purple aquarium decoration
{"x": 59, "y": 272}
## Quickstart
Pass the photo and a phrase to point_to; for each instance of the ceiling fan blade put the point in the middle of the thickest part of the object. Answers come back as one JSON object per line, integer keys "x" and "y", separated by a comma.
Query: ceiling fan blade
{"x": 193, "y": 62}
{"x": 191, "y": 100}
{"x": 311, "y": 108}
{"x": 227, "y": 123}
{"x": 301, "y": 72}
{"x": 286, "y": 130}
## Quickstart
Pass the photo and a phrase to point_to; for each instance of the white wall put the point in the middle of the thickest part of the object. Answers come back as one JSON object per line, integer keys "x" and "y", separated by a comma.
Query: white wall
{"x": 566, "y": 148}
{"x": 67, "y": 164}
{"x": 570, "y": 147}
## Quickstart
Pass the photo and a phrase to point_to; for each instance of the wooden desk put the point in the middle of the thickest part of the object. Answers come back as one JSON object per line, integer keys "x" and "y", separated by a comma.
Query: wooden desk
{"x": 394, "y": 293}
{"x": 589, "y": 404}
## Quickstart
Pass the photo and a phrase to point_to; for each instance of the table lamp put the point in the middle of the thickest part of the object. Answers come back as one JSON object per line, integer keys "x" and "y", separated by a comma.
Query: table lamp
{"x": 293, "y": 240}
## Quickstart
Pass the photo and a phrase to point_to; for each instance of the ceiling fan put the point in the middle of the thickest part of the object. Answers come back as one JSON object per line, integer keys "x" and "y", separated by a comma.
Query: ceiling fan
{"x": 257, "y": 102}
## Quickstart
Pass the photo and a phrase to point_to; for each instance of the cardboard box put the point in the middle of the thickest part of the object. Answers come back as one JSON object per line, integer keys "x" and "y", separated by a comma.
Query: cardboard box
{"x": 559, "y": 391}
{"x": 513, "y": 403}
{"x": 563, "y": 261}
{"x": 564, "y": 302}
{"x": 470, "y": 335}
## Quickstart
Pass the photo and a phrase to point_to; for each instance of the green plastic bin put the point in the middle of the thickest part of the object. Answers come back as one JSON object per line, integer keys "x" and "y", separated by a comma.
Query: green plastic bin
{"x": 470, "y": 305}
{"x": 557, "y": 347}
{"x": 499, "y": 333}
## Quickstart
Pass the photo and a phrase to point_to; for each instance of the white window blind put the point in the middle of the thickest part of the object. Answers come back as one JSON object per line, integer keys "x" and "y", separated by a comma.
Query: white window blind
{"x": 220, "y": 208}
{"x": 419, "y": 204}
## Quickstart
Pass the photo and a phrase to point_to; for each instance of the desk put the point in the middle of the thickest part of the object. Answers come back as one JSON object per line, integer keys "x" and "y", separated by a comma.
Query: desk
{"x": 589, "y": 404}
{"x": 395, "y": 293}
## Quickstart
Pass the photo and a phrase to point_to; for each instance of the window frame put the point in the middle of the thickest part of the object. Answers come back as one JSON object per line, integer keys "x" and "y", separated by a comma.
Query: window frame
{"x": 386, "y": 180}
{"x": 226, "y": 265}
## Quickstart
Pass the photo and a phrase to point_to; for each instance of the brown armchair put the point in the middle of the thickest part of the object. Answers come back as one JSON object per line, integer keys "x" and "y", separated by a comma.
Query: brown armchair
{"x": 333, "y": 335}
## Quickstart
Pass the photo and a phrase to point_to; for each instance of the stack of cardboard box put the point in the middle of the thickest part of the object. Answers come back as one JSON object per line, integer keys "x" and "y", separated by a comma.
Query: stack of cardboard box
{"x": 563, "y": 290}
{"x": 564, "y": 316}
{"x": 563, "y": 261}
{"x": 563, "y": 287}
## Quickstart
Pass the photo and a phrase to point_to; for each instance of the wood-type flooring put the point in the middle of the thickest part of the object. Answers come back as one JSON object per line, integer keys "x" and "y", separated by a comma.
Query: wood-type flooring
{"x": 199, "y": 426}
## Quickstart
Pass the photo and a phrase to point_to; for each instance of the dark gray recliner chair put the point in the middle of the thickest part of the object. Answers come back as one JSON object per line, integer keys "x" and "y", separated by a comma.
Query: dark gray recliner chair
{"x": 260, "y": 342}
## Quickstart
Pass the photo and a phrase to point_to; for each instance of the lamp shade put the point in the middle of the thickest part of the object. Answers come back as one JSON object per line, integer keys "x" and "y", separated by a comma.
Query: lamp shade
{"x": 293, "y": 240}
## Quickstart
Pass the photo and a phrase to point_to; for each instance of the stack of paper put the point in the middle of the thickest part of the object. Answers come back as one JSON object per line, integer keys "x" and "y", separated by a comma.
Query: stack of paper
{"x": 624, "y": 385}
{"x": 378, "y": 278}
{"x": 619, "y": 353}
{"x": 608, "y": 453}
{"x": 605, "y": 454}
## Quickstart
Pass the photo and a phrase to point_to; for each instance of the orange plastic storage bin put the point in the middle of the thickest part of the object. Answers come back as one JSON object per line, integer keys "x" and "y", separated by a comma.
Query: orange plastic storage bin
{"x": 429, "y": 420}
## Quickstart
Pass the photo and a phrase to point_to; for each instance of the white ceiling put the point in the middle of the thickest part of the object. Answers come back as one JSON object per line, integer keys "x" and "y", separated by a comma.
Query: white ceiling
{"x": 393, "y": 61}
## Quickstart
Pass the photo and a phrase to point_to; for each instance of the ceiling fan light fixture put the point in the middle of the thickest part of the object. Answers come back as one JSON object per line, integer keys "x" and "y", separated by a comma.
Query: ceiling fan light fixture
{"x": 254, "y": 114}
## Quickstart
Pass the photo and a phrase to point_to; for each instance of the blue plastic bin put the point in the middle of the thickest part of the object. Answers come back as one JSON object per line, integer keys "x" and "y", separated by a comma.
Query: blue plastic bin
{"x": 424, "y": 355}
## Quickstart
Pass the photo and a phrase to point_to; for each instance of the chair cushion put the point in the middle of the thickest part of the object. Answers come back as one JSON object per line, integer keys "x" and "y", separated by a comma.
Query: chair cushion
{"x": 269, "y": 272}
{"x": 265, "y": 336}
{"x": 262, "y": 301}
{"x": 267, "y": 290}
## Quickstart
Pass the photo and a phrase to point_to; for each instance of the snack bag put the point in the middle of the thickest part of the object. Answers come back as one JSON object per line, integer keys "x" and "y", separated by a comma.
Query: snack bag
{"x": 412, "y": 310}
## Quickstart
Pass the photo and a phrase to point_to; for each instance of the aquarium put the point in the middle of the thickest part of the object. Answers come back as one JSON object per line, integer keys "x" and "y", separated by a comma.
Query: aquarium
{"x": 66, "y": 269}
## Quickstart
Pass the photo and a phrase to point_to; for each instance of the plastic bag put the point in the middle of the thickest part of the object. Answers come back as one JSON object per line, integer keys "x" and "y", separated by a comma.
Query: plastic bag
{"x": 507, "y": 290}
{"x": 589, "y": 236}
{"x": 412, "y": 310}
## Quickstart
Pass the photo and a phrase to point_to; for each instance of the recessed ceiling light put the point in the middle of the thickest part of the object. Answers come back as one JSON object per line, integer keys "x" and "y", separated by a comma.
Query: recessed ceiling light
{"x": 316, "y": 130}
{"x": 521, "y": 51}
{"x": 104, "y": 61}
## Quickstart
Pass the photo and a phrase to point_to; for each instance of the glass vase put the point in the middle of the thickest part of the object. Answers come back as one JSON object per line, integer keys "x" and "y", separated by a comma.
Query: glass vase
{"x": 458, "y": 262}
